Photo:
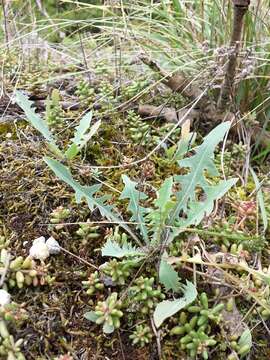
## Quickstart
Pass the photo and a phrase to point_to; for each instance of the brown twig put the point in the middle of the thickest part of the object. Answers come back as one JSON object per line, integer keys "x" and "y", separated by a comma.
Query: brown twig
{"x": 240, "y": 8}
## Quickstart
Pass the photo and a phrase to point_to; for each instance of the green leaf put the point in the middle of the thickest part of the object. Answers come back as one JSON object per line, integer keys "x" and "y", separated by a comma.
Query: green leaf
{"x": 108, "y": 329}
{"x": 88, "y": 193}
{"x": 91, "y": 316}
{"x": 183, "y": 146}
{"x": 245, "y": 339}
{"x": 168, "y": 276}
{"x": 168, "y": 308}
{"x": 72, "y": 151}
{"x": 164, "y": 195}
{"x": 260, "y": 199}
{"x": 35, "y": 120}
{"x": 199, "y": 164}
{"x": 82, "y": 128}
{"x": 113, "y": 249}
{"x": 138, "y": 212}
{"x": 81, "y": 136}
{"x": 199, "y": 209}
{"x": 160, "y": 215}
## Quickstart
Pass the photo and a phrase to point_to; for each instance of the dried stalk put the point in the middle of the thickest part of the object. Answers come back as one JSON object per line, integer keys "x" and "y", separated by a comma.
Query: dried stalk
{"x": 227, "y": 89}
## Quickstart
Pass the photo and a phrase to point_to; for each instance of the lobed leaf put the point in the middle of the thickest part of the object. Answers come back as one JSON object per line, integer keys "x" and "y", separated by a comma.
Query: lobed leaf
{"x": 168, "y": 308}
{"x": 168, "y": 276}
{"x": 138, "y": 212}
{"x": 113, "y": 249}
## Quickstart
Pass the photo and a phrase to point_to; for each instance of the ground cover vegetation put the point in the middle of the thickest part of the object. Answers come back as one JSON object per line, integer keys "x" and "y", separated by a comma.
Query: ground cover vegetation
{"x": 134, "y": 180}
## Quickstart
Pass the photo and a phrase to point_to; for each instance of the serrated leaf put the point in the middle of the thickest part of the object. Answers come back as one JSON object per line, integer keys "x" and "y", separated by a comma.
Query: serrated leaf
{"x": 35, "y": 120}
{"x": 199, "y": 209}
{"x": 81, "y": 129}
{"x": 138, "y": 212}
{"x": 113, "y": 249}
{"x": 88, "y": 192}
{"x": 168, "y": 276}
{"x": 199, "y": 164}
{"x": 160, "y": 215}
{"x": 168, "y": 308}
{"x": 91, "y": 316}
{"x": 83, "y": 134}
{"x": 164, "y": 194}
{"x": 183, "y": 146}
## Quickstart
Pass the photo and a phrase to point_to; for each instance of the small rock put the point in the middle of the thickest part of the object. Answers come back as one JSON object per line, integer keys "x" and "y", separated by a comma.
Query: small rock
{"x": 53, "y": 246}
{"x": 39, "y": 249}
{"x": 4, "y": 297}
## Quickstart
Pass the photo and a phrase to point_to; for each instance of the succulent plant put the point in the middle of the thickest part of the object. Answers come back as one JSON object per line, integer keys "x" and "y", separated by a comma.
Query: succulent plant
{"x": 85, "y": 93}
{"x": 115, "y": 235}
{"x": 24, "y": 271}
{"x": 144, "y": 292}
{"x": 88, "y": 231}
{"x": 139, "y": 130}
{"x": 195, "y": 327}
{"x": 93, "y": 283}
{"x": 107, "y": 313}
{"x": 142, "y": 335}
{"x": 54, "y": 112}
{"x": 58, "y": 215}
{"x": 3, "y": 242}
{"x": 134, "y": 88}
{"x": 119, "y": 271}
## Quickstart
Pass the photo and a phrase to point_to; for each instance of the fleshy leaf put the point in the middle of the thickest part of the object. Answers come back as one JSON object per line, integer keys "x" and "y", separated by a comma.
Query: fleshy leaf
{"x": 168, "y": 308}
{"x": 108, "y": 329}
{"x": 245, "y": 339}
{"x": 91, "y": 316}
{"x": 138, "y": 212}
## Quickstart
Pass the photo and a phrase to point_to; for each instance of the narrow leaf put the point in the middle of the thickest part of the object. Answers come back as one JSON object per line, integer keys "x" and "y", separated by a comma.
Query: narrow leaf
{"x": 35, "y": 120}
{"x": 260, "y": 200}
{"x": 138, "y": 212}
{"x": 82, "y": 128}
{"x": 83, "y": 134}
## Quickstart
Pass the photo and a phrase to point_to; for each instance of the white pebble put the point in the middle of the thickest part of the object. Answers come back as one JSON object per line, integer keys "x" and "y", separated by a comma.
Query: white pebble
{"x": 39, "y": 249}
{"x": 53, "y": 246}
{"x": 4, "y": 297}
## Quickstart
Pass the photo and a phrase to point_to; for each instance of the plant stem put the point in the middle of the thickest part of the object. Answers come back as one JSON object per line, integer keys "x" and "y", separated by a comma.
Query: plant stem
{"x": 235, "y": 236}
{"x": 240, "y": 8}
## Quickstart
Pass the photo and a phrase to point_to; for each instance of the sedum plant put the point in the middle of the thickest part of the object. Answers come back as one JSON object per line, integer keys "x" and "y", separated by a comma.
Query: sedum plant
{"x": 107, "y": 313}
{"x": 141, "y": 336}
{"x": 93, "y": 283}
{"x": 181, "y": 201}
